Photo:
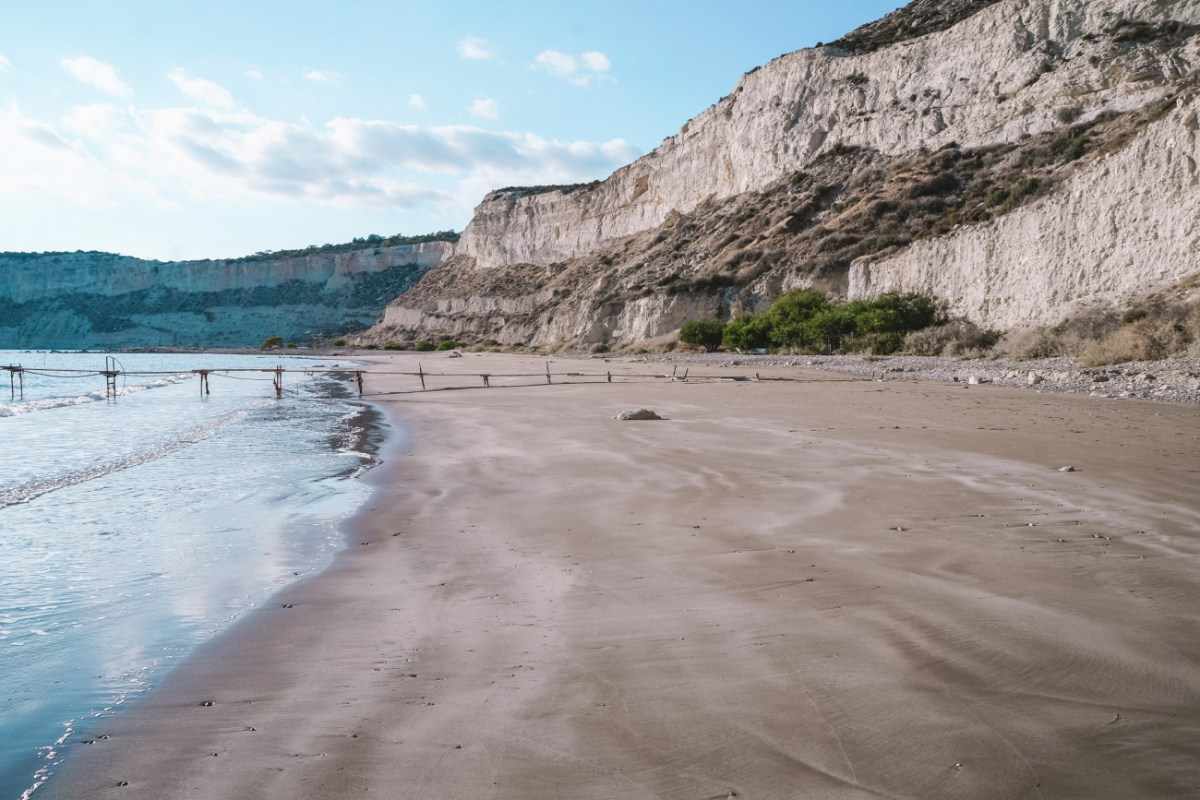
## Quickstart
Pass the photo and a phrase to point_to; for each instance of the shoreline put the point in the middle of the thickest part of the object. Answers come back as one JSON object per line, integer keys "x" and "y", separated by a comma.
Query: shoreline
{"x": 365, "y": 432}
{"x": 753, "y": 596}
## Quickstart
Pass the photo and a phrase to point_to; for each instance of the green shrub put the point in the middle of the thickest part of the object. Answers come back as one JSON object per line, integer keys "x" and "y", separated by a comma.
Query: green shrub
{"x": 425, "y": 346}
{"x": 394, "y": 346}
{"x": 806, "y": 320}
{"x": 449, "y": 344}
{"x": 339, "y": 342}
{"x": 706, "y": 333}
{"x": 372, "y": 346}
{"x": 748, "y": 333}
{"x": 271, "y": 343}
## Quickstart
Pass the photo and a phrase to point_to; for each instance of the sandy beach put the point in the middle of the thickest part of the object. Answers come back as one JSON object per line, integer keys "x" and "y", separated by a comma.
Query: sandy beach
{"x": 834, "y": 588}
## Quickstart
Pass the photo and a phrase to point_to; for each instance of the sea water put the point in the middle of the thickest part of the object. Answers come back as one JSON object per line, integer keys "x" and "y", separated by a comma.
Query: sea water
{"x": 134, "y": 528}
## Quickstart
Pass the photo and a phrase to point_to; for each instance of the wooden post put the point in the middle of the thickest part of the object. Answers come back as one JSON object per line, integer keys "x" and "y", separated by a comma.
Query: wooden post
{"x": 421, "y": 372}
{"x": 685, "y": 372}
{"x": 548, "y": 381}
{"x": 21, "y": 381}
{"x": 673, "y": 369}
{"x": 279, "y": 383}
{"x": 358, "y": 376}
{"x": 110, "y": 378}
{"x": 487, "y": 384}
{"x": 12, "y": 383}
{"x": 610, "y": 376}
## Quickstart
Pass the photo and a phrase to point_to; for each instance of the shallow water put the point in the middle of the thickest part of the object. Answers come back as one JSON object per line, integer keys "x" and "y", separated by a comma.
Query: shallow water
{"x": 132, "y": 530}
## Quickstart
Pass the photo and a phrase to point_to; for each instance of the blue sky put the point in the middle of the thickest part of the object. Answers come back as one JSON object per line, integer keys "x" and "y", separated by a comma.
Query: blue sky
{"x": 185, "y": 130}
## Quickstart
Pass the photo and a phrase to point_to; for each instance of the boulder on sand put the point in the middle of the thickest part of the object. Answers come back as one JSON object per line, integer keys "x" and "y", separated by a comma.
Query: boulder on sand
{"x": 640, "y": 414}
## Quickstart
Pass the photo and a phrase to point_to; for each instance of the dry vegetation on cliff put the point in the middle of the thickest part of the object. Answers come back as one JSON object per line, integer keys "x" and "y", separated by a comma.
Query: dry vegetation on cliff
{"x": 915, "y": 19}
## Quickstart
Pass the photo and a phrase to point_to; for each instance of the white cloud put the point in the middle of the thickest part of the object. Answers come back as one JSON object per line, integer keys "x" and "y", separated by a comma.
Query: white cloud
{"x": 201, "y": 90}
{"x": 105, "y": 155}
{"x": 580, "y": 69}
{"x": 97, "y": 74}
{"x": 254, "y": 74}
{"x": 473, "y": 48}
{"x": 595, "y": 61}
{"x": 484, "y": 108}
{"x": 4, "y": 63}
{"x": 322, "y": 76}
{"x": 417, "y": 103}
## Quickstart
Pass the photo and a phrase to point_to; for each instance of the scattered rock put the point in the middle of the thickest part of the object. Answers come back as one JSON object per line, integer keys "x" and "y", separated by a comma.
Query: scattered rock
{"x": 1067, "y": 468}
{"x": 455, "y": 354}
{"x": 206, "y": 703}
{"x": 286, "y": 605}
{"x": 639, "y": 415}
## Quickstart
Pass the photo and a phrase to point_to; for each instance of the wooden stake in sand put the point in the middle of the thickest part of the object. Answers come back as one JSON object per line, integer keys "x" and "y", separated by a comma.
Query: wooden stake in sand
{"x": 548, "y": 381}
{"x": 421, "y": 372}
{"x": 16, "y": 381}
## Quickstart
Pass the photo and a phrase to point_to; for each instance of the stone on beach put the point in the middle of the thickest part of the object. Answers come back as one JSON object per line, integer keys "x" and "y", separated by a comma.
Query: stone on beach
{"x": 640, "y": 414}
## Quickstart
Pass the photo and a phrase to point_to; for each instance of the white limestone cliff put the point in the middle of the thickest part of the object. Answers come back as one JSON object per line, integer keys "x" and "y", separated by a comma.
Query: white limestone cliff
{"x": 1017, "y": 67}
{"x": 1127, "y": 224}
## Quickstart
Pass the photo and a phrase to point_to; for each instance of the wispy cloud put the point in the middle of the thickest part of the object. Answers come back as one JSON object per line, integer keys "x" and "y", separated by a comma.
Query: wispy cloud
{"x": 580, "y": 69}
{"x": 322, "y": 76}
{"x": 484, "y": 108}
{"x": 201, "y": 90}
{"x": 97, "y": 74}
{"x": 417, "y": 102}
{"x": 475, "y": 48}
{"x": 5, "y": 64}
{"x": 254, "y": 74}
{"x": 104, "y": 154}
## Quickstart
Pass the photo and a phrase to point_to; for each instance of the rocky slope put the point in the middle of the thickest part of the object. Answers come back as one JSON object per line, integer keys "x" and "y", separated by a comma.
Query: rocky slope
{"x": 780, "y": 184}
{"x": 89, "y": 300}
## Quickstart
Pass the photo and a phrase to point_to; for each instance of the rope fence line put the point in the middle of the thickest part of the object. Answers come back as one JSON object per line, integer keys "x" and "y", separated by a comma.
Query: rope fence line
{"x": 112, "y": 372}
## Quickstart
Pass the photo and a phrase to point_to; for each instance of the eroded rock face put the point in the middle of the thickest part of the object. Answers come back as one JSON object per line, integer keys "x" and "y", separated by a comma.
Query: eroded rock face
{"x": 1013, "y": 157}
{"x": 105, "y": 300}
{"x": 1128, "y": 223}
{"x": 1010, "y": 69}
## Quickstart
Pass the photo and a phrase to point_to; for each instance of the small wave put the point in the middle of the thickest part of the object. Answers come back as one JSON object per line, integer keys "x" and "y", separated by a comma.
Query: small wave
{"x": 24, "y": 492}
{"x": 15, "y": 409}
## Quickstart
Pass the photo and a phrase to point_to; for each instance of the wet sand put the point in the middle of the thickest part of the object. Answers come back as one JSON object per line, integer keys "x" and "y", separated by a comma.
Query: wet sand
{"x": 834, "y": 589}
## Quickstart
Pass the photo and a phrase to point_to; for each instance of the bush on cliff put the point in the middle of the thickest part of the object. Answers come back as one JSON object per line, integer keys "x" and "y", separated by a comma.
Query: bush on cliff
{"x": 271, "y": 343}
{"x": 706, "y": 333}
{"x": 808, "y": 321}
